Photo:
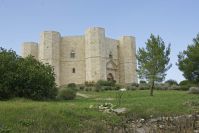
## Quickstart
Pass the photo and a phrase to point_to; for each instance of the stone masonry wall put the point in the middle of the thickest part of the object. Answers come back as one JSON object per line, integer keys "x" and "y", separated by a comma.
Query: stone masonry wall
{"x": 95, "y": 56}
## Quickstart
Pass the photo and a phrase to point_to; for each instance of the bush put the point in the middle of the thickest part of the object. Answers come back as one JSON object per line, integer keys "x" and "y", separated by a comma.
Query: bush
{"x": 105, "y": 83}
{"x": 25, "y": 77}
{"x": 185, "y": 82}
{"x": 144, "y": 87}
{"x": 89, "y": 88}
{"x": 135, "y": 84}
{"x": 164, "y": 86}
{"x": 67, "y": 93}
{"x": 142, "y": 82}
{"x": 35, "y": 80}
{"x": 171, "y": 82}
{"x": 132, "y": 88}
{"x": 194, "y": 90}
{"x": 81, "y": 87}
{"x": 89, "y": 83}
{"x": 72, "y": 85}
{"x": 174, "y": 87}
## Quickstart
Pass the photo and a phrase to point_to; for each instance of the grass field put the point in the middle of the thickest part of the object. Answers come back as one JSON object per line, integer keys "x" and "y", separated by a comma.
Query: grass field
{"x": 22, "y": 115}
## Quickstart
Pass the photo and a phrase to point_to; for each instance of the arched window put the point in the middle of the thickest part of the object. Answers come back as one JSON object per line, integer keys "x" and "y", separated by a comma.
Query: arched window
{"x": 72, "y": 54}
{"x": 73, "y": 70}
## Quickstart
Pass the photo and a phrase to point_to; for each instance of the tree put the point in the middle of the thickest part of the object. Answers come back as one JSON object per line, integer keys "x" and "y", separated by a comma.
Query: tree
{"x": 171, "y": 82}
{"x": 25, "y": 77}
{"x": 153, "y": 61}
{"x": 35, "y": 80}
{"x": 188, "y": 61}
{"x": 8, "y": 65}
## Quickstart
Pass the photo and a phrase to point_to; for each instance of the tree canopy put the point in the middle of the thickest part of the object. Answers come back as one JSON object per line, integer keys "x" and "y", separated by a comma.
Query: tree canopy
{"x": 188, "y": 61}
{"x": 25, "y": 77}
{"x": 153, "y": 61}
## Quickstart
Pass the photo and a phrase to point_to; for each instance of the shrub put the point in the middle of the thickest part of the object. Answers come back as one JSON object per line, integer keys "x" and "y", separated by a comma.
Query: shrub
{"x": 117, "y": 86}
{"x": 72, "y": 85}
{"x": 135, "y": 84}
{"x": 25, "y": 77}
{"x": 194, "y": 90}
{"x": 35, "y": 80}
{"x": 184, "y": 82}
{"x": 171, "y": 82}
{"x": 174, "y": 87}
{"x": 163, "y": 86}
{"x": 81, "y": 87}
{"x": 89, "y": 83}
{"x": 89, "y": 88}
{"x": 142, "y": 82}
{"x": 67, "y": 93}
{"x": 106, "y": 83}
{"x": 8, "y": 74}
{"x": 143, "y": 87}
{"x": 132, "y": 88}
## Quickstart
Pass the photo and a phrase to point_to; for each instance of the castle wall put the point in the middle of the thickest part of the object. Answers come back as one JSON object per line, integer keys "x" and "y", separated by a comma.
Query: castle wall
{"x": 95, "y": 53}
{"x": 127, "y": 60}
{"x": 91, "y": 61}
{"x": 49, "y": 51}
{"x": 111, "y": 46}
{"x": 74, "y": 44}
{"x": 30, "y": 48}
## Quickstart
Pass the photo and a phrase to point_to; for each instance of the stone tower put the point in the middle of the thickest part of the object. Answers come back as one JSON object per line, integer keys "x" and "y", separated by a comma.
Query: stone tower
{"x": 88, "y": 57}
{"x": 127, "y": 59}
{"x": 49, "y": 51}
{"x": 95, "y": 54}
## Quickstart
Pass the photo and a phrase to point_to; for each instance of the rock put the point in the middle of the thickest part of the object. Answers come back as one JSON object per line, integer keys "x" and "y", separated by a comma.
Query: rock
{"x": 194, "y": 90}
{"x": 140, "y": 130}
{"x": 120, "y": 110}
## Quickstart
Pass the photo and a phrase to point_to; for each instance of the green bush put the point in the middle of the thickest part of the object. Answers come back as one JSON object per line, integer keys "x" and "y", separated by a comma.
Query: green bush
{"x": 66, "y": 93}
{"x": 135, "y": 84}
{"x": 174, "y": 87}
{"x": 143, "y": 86}
{"x": 185, "y": 82}
{"x": 35, "y": 80}
{"x": 89, "y": 83}
{"x": 142, "y": 82}
{"x": 106, "y": 83}
{"x": 25, "y": 77}
{"x": 132, "y": 88}
{"x": 72, "y": 85}
{"x": 81, "y": 87}
{"x": 171, "y": 82}
{"x": 162, "y": 86}
{"x": 8, "y": 65}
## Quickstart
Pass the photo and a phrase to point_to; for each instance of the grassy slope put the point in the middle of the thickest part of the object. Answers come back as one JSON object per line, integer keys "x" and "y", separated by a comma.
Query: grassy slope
{"x": 66, "y": 116}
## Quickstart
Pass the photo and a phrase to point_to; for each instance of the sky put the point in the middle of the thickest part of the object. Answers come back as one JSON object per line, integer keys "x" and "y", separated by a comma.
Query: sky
{"x": 175, "y": 21}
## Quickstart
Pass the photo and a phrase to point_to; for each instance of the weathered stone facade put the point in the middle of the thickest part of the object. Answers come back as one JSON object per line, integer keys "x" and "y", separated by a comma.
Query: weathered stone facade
{"x": 89, "y": 57}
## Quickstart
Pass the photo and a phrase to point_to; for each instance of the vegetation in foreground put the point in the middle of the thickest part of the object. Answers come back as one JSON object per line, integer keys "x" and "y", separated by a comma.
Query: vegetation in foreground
{"x": 21, "y": 115}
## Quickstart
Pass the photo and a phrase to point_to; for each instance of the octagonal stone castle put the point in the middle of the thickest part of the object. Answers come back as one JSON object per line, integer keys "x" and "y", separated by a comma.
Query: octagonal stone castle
{"x": 89, "y": 57}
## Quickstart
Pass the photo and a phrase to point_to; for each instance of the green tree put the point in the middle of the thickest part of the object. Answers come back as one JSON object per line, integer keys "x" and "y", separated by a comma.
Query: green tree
{"x": 8, "y": 65}
{"x": 25, "y": 77}
{"x": 153, "y": 61}
{"x": 35, "y": 80}
{"x": 188, "y": 61}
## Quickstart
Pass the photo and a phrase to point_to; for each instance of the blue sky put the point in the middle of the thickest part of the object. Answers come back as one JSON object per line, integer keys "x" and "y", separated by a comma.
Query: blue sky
{"x": 176, "y": 21}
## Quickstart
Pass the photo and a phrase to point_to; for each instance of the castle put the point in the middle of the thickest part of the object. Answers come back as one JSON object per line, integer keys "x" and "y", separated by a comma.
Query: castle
{"x": 89, "y": 57}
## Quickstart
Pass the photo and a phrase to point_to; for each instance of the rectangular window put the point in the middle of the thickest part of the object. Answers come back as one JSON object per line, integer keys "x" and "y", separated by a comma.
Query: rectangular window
{"x": 73, "y": 71}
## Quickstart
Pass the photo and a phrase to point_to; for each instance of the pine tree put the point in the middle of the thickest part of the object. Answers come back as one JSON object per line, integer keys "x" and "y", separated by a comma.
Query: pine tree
{"x": 153, "y": 61}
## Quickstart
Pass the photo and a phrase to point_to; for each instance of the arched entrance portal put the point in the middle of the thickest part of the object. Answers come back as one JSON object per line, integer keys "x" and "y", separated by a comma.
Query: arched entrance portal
{"x": 110, "y": 77}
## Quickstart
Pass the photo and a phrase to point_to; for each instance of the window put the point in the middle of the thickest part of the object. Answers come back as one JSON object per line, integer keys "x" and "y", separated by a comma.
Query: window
{"x": 72, "y": 54}
{"x": 110, "y": 55}
{"x": 73, "y": 70}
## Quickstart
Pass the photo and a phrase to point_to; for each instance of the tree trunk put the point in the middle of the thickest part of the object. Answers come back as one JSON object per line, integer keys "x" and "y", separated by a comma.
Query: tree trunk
{"x": 152, "y": 87}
